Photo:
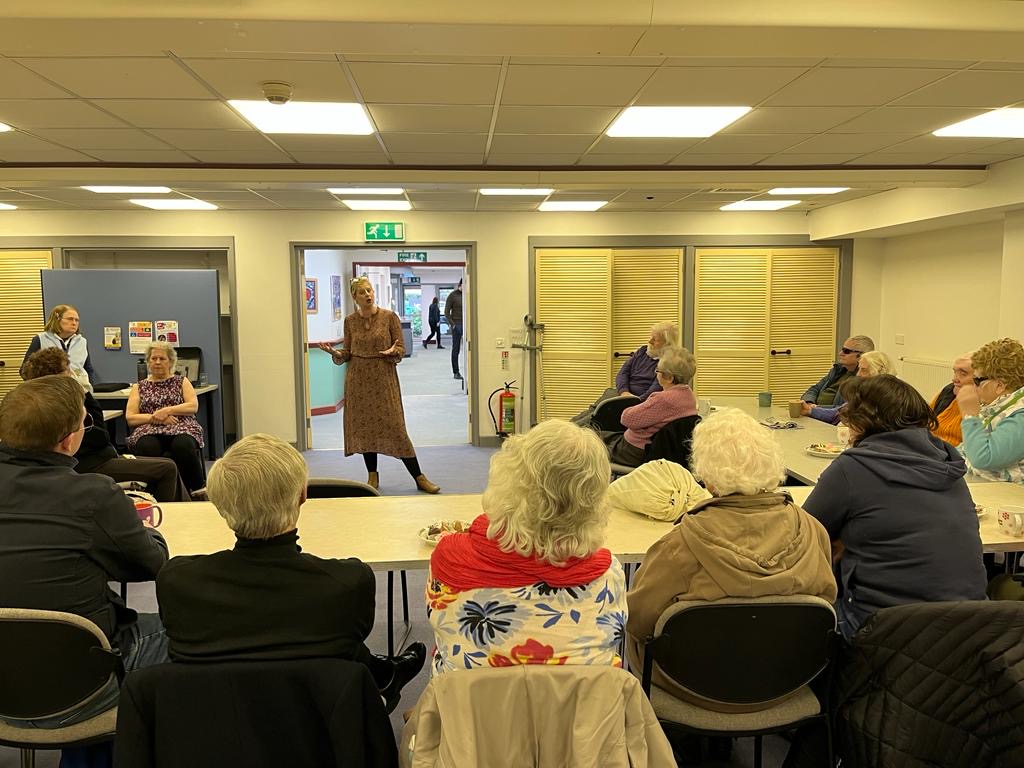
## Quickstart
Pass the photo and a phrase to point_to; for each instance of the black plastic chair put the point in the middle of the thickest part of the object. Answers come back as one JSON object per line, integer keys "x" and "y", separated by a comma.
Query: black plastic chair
{"x": 672, "y": 442}
{"x": 607, "y": 414}
{"x": 760, "y": 654}
{"x": 51, "y": 663}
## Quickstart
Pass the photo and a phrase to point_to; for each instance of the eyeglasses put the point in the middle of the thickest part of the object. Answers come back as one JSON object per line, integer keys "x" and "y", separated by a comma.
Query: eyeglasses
{"x": 87, "y": 424}
{"x": 848, "y": 351}
{"x": 979, "y": 380}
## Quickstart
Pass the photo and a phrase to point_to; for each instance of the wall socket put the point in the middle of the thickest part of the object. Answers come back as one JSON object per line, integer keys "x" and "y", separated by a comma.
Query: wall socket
{"x": 900, "y": 339}
{"x": 499, "y": 342}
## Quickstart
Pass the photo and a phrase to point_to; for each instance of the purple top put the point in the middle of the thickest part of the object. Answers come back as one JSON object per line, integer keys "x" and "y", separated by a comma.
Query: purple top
{"x": 637, "y": 375}
{"x": 643, "y": 420}
{"x": 154, "y": 395}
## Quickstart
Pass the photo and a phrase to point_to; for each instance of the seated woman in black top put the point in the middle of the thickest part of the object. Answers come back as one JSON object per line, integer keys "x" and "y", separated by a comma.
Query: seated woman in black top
{"x": 266, "y": 598}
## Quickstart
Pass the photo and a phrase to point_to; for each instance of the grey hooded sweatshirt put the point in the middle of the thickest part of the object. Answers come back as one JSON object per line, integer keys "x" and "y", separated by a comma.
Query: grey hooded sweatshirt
{"x": 900, "y": 506}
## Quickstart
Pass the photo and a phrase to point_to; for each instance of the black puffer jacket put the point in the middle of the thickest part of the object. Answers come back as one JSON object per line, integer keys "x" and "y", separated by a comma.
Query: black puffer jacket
{"x": 935, "y": 684}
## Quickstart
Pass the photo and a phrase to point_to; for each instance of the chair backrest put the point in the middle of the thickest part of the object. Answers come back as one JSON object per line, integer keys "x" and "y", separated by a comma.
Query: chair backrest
{"x": 673, "y": 441}
{"x": 51, "y": 662}
{"x": 336, "y": 488}
{"x": 739, "y": 651}
{"x": 608, "y": 413}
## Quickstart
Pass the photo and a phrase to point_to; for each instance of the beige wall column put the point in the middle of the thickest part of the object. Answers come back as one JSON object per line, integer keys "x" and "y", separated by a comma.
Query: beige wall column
{"x": 1011, "y": 307}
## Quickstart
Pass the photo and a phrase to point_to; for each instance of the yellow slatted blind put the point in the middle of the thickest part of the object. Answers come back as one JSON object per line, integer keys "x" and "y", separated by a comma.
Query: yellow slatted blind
{"x": 21, "y": 309}
{"x": 573, "y": 297}
{"x": 731, "y": 321}
{"x": 646, "y": 289}
{"x": 803, "y": 318}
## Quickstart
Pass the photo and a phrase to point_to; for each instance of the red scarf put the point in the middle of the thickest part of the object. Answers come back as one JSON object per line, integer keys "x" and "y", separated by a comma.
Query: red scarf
{"x": 471, "y": 560}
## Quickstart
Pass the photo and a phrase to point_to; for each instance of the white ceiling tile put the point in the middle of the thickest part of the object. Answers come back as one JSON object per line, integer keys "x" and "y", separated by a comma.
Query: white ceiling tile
{"x": 809, "y": 159}
{"x": 513, "y": 144}
{"x": 141, "y": 156}
{"x": 426, "y": 83}
{"x": 398, "y": 58}
{"x": 247, "y": 205}
{"x": 895, "y": 158}
{"x": 43, "y": 155}
{"x": 850, "y": 87}
{"x": 327, "y": 157}
{"x": 691, "y": 205}
{"x": 28, "y": 114}
{"x": 320, "y": 142}
{"x": 16, "y": 82}
{"x": 554, "y": 119}
{"x": 193, "y": 139}
{"x": 792, "y": 120}
{"x": 437, "y": 158}
{"x": 434, "y": 142}
{"x": 723, "y": 143}
{"x": 970, "y": 89}
{"x": 244, "y": 78}
{"x": 661, "y": 196}
{"x": 120, "y": 78}
{"x": 428, "y": 196}
{"x": 19, "y": 140}
{"x": 730, "y": 159}
{"x": 906, "y": 119}
{"x": 217, "y": 195}
{"x": 719, "y": 86}
{"x": 496, "y": 204}
{"x": 174, "y": 113}
{"x": 590, "y": 61}
{"x": 978, "y": 158}
{"x": 944, "y": 145}
{"x": 898, "y": 63}
{"x": 638, "y": 146}
{"x": 635, "y": 205}
{"x": 589, "y": 194}
{"x": 1001, "y": 65}
{"x": 594, "y": 86}
{"x": 848, "y": 142}
{"x": 703, "y": 61}
{"x": 626, "y": 159}
{"x": 245, "y": 156}
{"x": 101, "y": 138}
{"x": 423, "y": 118}
{"x": 532, "y": 160}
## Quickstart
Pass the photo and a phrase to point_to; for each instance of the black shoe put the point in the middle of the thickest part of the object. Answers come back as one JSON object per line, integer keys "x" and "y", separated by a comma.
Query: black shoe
{"x": 424, "y": 345}
{"x": 439, "y": 346}
{"x": 407, "y": 666}
{"x": 458, "y": 377}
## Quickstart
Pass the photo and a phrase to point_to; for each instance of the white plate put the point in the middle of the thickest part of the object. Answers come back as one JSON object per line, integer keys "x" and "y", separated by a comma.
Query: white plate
{"x": 431, "y": 540}
{"x": 814, "y": 451}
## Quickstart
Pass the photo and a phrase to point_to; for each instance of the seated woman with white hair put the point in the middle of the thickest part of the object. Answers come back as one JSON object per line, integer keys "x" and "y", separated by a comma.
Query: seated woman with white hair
{"x": 873, "y": 363}
{"x": 749, "y": 540}
{"x": 529, "y": 582}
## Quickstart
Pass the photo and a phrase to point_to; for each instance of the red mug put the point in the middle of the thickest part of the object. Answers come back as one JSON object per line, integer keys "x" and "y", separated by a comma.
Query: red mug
{"x": 149, "y": 512}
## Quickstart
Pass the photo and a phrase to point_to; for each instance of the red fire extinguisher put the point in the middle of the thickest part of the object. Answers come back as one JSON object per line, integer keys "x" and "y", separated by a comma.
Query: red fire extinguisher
{"x": 506, "y": 410}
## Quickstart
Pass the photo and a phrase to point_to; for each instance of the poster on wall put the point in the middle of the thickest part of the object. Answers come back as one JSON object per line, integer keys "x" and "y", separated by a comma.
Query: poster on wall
{"x": 112, "y": 337}
{"x": 140, "y": 334}
{"x": 312, "y": 300}
{"x": 336, "y": 296}
{"x": 167, "y": 330}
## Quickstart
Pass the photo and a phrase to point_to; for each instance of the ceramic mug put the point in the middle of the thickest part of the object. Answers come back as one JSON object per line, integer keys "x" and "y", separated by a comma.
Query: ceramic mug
{"x": 764, "y": 399}
{"x": 703, "y": 408}
{"x": 796, "y": 409}
{"x": 149, "y": 513}
{"x": 1010, "y": 519}
{"x": 843, "y": 434}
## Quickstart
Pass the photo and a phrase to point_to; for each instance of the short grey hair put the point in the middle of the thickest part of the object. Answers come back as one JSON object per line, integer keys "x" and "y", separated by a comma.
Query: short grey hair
{"x": 171, "y": 352}
{"x": 679, "y": 363}
{"x": 258, "y": 485}
{"x": 862, "y": 343}
{"x": 669, "y": 331}
{"x": 878, "y": 363}
{"x": 732, "y": 453}
{"x": 545, "y": 493}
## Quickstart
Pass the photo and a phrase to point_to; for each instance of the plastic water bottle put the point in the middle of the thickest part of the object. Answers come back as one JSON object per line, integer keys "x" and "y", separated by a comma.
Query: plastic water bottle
{"x": 140, "y": 369}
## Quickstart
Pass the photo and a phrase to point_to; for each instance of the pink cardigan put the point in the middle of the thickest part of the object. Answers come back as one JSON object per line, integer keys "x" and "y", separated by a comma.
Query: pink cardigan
{"x": 643, "y": 420}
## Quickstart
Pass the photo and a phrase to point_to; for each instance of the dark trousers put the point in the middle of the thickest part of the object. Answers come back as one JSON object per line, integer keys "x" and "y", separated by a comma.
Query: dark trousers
{"x": 435, "y": 329}
{"x": 159, "y": 474}
{"x": 183, "y": 450}
{"x": 456, "y": 346}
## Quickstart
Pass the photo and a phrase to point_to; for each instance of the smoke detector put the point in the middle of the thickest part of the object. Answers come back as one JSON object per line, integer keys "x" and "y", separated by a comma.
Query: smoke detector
{"x": 277, "y": 93}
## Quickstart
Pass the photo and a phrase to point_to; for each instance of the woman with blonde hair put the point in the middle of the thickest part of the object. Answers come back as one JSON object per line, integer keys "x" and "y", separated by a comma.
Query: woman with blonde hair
{"x": 873, "y": 363}
{"x": 992, "y": 410}
{"x": 374, "y": 420}
{"x": 529, "y": 582}
{"x": 62, "y": 331}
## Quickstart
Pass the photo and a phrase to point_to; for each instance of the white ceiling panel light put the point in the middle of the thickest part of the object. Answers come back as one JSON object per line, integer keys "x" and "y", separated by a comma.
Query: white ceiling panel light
{"x": 128, "y": 190}
{"x": 573, "y": 205}
{"x": 998, "y": 124}
{"x": 311, "y": 117}
{"x": 807, "y": 190}
{"x": 366, "y": 190}
{"x": 6, "y": 207}
{"x": 522, "y": 191}
{"x": 378, "y": 205}
{"x": 5, "y": 127}
{"x": 759, "y": 205}
{"x": 174, "y": 204}
{"x": 674, "y": 122}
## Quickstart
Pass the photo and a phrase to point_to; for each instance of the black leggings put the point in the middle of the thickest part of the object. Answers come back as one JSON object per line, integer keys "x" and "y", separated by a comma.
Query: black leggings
{"x": 183, "y": 450}
{"x": 411, "y": 464}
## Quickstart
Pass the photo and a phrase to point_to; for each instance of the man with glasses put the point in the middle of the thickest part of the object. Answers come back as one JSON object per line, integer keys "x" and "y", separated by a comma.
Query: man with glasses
{"x": 826, "y": 391}
{"x": 64, "y": 536}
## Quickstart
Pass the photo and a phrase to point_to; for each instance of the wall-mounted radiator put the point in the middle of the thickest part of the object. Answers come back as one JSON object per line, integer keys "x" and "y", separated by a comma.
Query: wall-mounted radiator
{"x": 926, "y": 376}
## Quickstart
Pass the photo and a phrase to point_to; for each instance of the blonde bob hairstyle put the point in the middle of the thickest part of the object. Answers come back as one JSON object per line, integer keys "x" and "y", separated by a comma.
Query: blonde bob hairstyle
{"x": 877, "y": 363}
{"x": 669, "y": 333}
{"x": 354, "y": 283}
{"x": 545, "y": 493}
{"x": 56, "y": 315}
{"x": 678, "y": 363}
{"x": 258, "y": 486}
{"x": 167, "y": 349}
{"x": 732, "y": 453}
{"x": 1001, "y": 360}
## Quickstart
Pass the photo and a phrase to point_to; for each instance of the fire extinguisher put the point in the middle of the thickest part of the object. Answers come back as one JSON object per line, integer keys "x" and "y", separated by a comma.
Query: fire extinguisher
{"x": 506, "y": 409}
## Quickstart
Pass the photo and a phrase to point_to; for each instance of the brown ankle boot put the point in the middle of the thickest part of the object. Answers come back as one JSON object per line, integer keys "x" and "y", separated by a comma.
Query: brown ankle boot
{"x": 425, "y": 485}
{"x": 373, "y": 480}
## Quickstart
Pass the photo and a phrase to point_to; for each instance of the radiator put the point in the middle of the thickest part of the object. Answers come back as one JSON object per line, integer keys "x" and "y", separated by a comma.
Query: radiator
{"x": 926, "y": 376}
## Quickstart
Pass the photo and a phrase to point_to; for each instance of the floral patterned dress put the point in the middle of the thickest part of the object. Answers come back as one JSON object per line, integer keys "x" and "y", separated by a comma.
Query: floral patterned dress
{"x": 154, "y": 395}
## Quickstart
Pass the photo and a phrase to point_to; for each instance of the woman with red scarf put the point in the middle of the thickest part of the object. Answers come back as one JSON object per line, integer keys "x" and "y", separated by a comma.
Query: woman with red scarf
{"x": 529, "y": 583}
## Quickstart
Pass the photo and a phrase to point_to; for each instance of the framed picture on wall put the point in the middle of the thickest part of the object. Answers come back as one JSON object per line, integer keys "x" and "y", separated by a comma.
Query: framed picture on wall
{"x": 312, "y": 298}
{"x": 336, "y": 296}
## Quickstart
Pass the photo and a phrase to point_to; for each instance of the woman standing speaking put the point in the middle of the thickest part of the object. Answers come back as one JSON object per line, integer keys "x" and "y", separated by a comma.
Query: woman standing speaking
{"x": 374, "y": 420}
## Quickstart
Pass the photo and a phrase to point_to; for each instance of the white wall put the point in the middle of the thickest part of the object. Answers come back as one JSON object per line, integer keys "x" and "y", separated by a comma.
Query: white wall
{"x": 321, "y": 264}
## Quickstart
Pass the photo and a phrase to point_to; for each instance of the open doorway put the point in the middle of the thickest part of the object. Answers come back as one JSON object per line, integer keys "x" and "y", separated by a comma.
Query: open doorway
{"x": 436, "y": 403}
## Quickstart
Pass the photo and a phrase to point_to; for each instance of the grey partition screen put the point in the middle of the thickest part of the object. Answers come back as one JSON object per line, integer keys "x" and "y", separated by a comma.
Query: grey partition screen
{"x": 118, "y": 297}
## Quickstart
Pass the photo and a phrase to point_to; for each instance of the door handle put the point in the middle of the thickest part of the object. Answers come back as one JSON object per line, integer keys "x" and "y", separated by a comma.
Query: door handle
{"x": 622, "y": 354}
{"x": 782, "y": 352}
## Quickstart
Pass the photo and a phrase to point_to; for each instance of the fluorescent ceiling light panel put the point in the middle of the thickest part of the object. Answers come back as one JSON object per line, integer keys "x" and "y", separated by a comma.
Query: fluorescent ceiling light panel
{"x": 518, "y": 191}
{"x": 998, "y": 124}
{"x": 573, "y": 205}
{"x": 174, "y": 204}
{"x": 378, "y": 205}
{"x": 807, "y": 190}
{"x": 6, "y": 207}
{"x": 5, "y": 127}
{"x": 129, "y": 190}
{"x": 365, "y": 190}
{"x": 674, "y": 122}
{"x": 758, "y": 205}
{"x": 305, "y": 117}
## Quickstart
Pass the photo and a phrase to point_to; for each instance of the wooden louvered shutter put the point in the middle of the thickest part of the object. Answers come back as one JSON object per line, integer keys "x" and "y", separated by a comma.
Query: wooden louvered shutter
{"x": 573, "y": 298}
{"x": 646, "y": 290}
{"x": 731, "y": 321}
{"x": 21, "y": 309}
{"x": 803, "y": 318}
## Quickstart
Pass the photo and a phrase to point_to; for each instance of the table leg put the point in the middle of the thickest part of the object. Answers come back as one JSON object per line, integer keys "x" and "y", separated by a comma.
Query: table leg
{"x": 391, "y": 615}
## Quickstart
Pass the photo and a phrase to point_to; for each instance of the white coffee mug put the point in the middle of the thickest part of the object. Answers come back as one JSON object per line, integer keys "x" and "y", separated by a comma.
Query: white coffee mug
{"x": 703, "y": 408}
{"x": 843, "y": 434}
{"x": 1010, "y": 519}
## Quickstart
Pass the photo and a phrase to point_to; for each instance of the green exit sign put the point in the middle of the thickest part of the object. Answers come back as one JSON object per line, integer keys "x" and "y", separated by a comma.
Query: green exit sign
{"x": 383, "y": 230}
{"x": 412, "y": 256}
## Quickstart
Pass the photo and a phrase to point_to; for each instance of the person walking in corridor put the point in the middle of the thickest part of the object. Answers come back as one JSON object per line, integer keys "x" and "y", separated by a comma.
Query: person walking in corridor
{"x": 453, "y": 313}
{"x": 434, "y": 318}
